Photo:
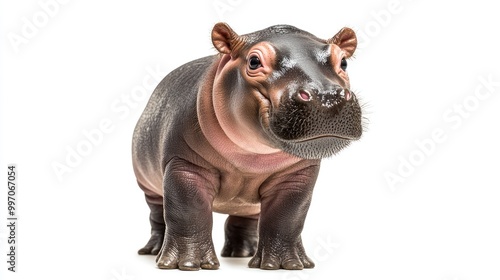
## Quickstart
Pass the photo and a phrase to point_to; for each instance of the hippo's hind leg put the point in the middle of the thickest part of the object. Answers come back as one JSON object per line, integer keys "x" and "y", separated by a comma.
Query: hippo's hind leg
{"x": 157, "y": 221}
{"x": 241, "y": 236}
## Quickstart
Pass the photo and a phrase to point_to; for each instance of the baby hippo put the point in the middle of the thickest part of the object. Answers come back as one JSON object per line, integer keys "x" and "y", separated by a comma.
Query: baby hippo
{"x": 242, "y": 133}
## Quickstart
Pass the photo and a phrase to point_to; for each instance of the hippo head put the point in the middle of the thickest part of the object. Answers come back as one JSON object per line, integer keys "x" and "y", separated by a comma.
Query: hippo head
{"x": 287, "y": 89}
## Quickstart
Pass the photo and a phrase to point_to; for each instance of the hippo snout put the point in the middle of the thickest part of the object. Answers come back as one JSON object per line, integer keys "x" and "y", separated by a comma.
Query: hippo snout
{"x": 316, "y": 123}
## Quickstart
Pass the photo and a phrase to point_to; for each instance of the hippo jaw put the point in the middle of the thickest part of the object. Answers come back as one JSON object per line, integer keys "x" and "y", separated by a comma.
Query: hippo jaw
{"x": 315, "y": 148}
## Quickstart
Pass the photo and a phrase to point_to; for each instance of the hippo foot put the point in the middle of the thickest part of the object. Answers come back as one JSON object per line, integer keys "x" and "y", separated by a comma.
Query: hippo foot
{"x": 154, "y": 244}
{"x": 187, "y": 255}
{"x": 278, "y": 255}
{"x": 241, "y": 237}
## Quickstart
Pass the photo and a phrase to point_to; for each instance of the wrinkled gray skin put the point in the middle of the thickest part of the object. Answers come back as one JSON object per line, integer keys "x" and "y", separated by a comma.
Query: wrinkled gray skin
{"x": 242, "y": 133}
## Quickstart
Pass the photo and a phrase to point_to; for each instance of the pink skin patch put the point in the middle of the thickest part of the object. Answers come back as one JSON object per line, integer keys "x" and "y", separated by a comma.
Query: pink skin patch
{"x": 304, "y": 95}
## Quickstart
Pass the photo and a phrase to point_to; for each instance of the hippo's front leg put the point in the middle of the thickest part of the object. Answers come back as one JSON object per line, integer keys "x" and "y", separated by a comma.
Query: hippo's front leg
{"x": 188, "y": 195}
{"x": 283, "y": 211}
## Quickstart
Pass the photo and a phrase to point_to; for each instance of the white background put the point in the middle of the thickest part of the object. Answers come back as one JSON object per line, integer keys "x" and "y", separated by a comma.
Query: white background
{"x": 418, "y": 63}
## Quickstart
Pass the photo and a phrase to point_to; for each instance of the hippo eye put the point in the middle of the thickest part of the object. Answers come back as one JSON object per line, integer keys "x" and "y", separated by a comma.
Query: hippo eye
{"x": 343, "y": 64}
{"x": 254, "y": 63}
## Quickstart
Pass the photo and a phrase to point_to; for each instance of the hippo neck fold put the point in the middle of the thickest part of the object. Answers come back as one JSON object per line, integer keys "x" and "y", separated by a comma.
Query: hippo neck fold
{"x": 244, "y": 152}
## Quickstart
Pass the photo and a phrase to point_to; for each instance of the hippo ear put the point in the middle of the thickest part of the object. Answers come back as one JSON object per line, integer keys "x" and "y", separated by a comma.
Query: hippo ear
{"x": 346, "y": 40}
{"x": 225, "y": 40}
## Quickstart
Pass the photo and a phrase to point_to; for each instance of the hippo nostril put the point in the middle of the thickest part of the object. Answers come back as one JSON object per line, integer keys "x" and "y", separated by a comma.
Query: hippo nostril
{"x": 305, "y": 95}
{"x": 343, "y": 94}
{"x": 347, "y": 95}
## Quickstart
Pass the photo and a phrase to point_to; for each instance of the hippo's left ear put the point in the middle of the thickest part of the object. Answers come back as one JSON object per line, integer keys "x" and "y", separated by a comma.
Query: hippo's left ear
{"x": 346, "y": 40}
{"x": 225, "y": 40}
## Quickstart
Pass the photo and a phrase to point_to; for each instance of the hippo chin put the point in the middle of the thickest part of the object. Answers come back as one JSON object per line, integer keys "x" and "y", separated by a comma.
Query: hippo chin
{"x": 243, "y": 133}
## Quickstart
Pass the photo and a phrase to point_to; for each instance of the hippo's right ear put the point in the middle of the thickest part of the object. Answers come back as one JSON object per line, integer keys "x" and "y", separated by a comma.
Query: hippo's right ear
{"x": 225, "y": 40}
{"x": 346, "y": 40}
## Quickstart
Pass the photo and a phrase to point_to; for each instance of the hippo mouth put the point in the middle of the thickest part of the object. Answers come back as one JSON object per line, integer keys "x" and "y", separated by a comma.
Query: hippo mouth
{"x": 327, "y": 136}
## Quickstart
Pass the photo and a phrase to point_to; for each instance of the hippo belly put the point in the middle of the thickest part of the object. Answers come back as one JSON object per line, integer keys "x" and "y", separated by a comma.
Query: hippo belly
{"x": 238, "y": 197}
